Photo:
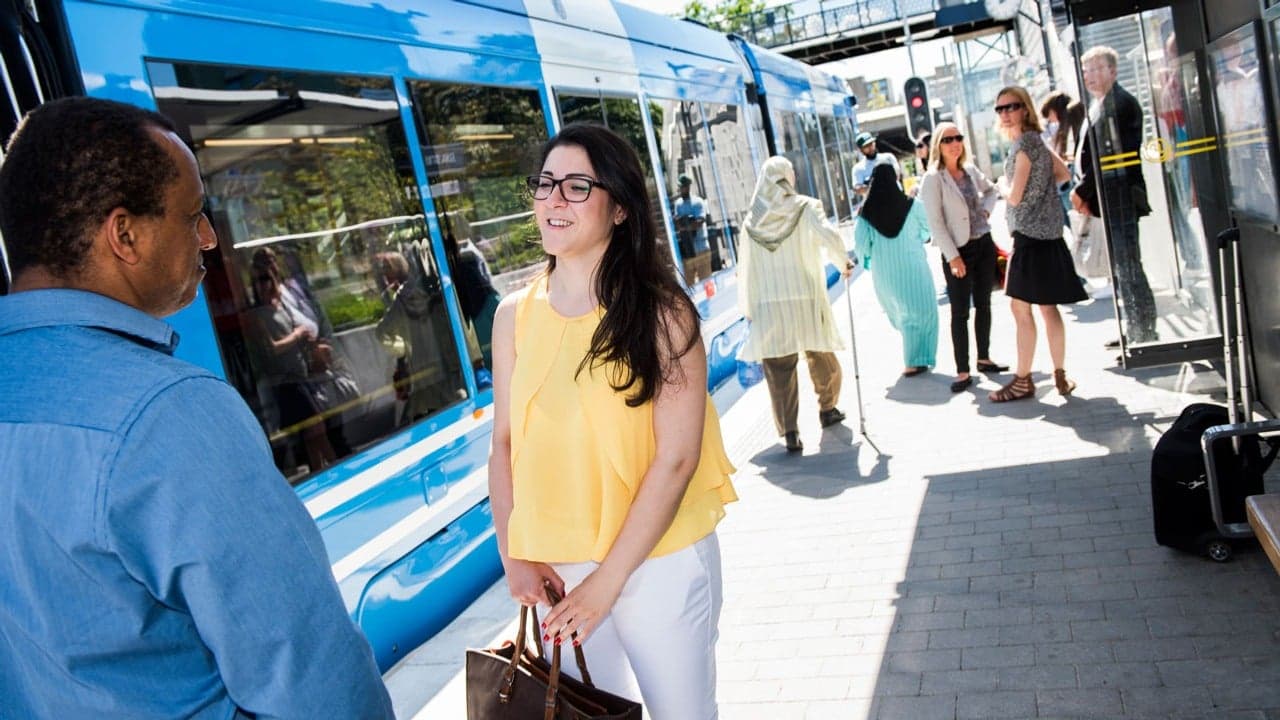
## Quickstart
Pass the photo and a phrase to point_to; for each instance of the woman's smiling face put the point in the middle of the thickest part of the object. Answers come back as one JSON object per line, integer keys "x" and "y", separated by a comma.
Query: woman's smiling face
{"x": 574, "y": 228}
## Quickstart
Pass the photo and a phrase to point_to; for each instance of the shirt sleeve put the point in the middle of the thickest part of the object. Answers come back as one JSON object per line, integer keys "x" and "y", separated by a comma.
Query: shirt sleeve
{"x": 198, "y": 513}
{"x": 935, "y": 209}
{"x": 828, "y": 237}
{"x": 987, "y": 192}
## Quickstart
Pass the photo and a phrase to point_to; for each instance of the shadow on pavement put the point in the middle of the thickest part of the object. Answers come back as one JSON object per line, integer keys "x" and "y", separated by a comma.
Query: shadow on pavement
{"x": 835, "y": 468}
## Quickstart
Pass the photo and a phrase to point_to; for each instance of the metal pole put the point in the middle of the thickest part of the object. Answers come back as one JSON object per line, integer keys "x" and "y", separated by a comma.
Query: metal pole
{"x": 906, "y": 37}
{"x": 857, "y": 375}
{"x": 1046, "y": 26}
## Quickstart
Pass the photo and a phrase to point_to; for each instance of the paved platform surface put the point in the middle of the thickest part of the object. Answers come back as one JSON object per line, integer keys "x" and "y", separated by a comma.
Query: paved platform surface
{"x": 979, "y": 561}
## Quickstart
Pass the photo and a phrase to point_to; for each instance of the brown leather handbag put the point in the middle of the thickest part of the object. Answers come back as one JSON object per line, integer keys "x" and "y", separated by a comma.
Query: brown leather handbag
{"x": 513, "y": 683}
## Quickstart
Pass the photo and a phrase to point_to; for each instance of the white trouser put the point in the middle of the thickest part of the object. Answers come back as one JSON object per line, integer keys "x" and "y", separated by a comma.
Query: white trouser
{"x": 659, "y": 642}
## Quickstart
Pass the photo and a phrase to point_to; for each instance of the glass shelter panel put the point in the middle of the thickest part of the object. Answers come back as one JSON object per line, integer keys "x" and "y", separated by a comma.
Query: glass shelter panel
{"x": 696, "y": 207}
{"x": 325, "y": 295}
{"x": 479, "y": 144}
{"x": 622, "y": 115}
{"x": 1240, "y": 99}
{"x": 1144, "y": 141}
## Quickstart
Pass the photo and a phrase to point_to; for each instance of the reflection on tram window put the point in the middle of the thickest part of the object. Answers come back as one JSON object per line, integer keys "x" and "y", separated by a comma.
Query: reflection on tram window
{"x": 836, "y": 169}
{"x": 1242, "y": 117}
{"x": 817, "y": 165}
{"x": 703, "y": 235}
{"x": 622, "y": 115}
{"x": 735, "y": 172}
{"x": 479, "y": 144}
{"x": 786, "y": 125}
{"x": 311, "y": 191}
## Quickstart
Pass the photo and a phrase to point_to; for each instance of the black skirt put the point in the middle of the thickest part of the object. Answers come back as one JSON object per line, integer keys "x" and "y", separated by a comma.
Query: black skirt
{"x": 1041, "y": 272}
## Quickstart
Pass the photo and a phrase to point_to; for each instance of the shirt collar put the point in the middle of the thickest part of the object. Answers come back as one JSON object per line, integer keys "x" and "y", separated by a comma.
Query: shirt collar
{"x": 58, "y": 307}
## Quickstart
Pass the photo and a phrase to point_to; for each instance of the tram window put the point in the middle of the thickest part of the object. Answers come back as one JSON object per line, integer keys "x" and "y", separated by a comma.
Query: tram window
{"x": 479, "y": 144}
{"x": 622, "y": 115}
{"x": 731, "y": 152}
{"x": 849, "y": 157}
{"x": 326, "y": 299}
{"x": 817, "y": 164}
{"x": 702, "y": 233}
{"x": 786, "y": 126}
{"x": 835, "y": 165}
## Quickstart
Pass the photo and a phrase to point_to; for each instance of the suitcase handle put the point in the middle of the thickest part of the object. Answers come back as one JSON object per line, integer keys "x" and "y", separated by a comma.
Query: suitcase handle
{"x": 1263, "y": 430}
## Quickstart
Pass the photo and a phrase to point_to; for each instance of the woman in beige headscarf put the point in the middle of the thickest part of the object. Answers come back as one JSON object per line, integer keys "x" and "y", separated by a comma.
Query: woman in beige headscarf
{"x": 783, "y": 292}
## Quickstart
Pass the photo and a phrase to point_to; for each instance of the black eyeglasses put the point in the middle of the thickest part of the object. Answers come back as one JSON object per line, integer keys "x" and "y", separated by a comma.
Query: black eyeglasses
{"x": 922, "y": 145}
{"x": 1007, "y": 108}
{"x": 950, "y": 139}
{"x": 573, "y": 188}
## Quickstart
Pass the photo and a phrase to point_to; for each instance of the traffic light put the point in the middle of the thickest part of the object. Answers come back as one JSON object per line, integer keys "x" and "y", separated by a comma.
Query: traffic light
{"x": 919, "y": 114}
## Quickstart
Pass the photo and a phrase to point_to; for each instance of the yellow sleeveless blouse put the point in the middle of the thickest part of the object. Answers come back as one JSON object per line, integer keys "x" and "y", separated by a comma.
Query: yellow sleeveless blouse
{"x": 579, "y": 454}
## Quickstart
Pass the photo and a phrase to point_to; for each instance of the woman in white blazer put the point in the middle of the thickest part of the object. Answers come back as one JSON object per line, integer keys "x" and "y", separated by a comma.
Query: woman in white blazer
{"x": 958, "y": 199}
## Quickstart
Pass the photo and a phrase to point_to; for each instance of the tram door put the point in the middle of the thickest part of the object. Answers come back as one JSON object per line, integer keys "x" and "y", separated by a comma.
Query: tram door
{"x": 1142, "y": 149}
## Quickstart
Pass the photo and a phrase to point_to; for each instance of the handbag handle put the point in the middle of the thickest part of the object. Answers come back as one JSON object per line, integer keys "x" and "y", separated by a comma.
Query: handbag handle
{"x": 578, "y": 655}
{"x": 553, "y": 684}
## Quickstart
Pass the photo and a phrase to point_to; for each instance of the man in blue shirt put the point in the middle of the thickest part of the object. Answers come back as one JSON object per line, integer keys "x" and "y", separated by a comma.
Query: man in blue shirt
{"x": 154, "y": 562}
{"x": 690, "y": 212}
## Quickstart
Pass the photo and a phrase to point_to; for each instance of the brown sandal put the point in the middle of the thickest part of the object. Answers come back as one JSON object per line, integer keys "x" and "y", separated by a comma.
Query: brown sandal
{"x": 1018, "y": 388}
{"x": 1065, "y": 386}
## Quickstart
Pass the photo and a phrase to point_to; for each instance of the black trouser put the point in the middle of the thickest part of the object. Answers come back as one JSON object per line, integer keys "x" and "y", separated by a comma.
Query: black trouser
{"x": 979, "y": 255}
{"x": 1137, "y": 303}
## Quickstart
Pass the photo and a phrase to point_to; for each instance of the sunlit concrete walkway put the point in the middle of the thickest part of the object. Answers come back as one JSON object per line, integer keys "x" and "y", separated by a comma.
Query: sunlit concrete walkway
{"x": 987, "y": 561}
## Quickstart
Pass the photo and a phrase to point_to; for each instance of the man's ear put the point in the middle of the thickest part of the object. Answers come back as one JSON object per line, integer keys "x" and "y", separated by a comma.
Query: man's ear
{"x": 119, "y": 232}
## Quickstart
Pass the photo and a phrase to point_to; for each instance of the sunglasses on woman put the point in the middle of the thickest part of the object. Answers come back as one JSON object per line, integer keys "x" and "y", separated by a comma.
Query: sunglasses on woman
{"x": 1007, "y": 108}
{"x": 950, "y": 139}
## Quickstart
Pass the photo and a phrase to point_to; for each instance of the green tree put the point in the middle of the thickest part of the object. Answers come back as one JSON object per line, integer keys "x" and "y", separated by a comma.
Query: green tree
{"x": 730, "y": 16}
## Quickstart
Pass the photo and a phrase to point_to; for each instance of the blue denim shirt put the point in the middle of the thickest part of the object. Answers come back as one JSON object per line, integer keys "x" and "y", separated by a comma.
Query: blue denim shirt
{"x": 153, "y": 562}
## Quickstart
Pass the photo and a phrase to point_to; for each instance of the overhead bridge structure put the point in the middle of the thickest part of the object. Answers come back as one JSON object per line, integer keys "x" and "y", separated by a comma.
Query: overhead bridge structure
{"x": 822, "y": 31}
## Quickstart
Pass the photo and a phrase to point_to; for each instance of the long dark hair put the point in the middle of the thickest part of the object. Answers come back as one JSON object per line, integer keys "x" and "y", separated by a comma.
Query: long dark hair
{"x": 1070, "y": 118}
{"x": 636, "y": 281}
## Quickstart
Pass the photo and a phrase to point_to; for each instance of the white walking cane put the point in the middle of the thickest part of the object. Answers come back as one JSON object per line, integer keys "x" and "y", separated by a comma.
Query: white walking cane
{"x": 857, "y": 376}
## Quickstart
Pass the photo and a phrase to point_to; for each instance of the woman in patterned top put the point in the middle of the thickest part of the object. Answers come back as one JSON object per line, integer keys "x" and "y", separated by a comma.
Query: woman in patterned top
{"x": 1040, "y": 269}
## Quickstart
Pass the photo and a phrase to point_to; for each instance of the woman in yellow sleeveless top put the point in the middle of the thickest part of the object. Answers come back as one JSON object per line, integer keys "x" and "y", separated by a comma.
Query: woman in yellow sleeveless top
{"x": 608, "y": 474}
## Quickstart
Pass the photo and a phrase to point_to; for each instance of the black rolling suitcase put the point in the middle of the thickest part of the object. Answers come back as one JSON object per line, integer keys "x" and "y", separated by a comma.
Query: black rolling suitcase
{"x": 1207, "y": 463}
{"x": 1180, "y": 502}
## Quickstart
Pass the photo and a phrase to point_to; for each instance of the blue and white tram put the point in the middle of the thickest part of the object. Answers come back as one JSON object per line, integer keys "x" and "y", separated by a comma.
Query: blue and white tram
{"x": 371, "y": 156}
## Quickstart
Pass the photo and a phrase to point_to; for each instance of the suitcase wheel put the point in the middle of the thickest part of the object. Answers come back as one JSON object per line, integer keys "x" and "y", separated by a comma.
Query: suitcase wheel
{"x": 1218, "y": 550}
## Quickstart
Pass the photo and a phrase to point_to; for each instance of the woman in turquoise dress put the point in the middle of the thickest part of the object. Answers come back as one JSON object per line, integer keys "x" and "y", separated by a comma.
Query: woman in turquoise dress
{"x": 889, "y": 237}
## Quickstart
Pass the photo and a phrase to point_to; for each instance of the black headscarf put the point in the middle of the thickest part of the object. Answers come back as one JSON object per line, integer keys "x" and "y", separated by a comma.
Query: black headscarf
{"x": 886, "y": 206}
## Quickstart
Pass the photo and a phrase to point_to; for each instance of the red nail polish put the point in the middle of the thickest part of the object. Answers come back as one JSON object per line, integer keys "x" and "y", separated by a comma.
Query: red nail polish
{"x": 576, "y": 642}
{"x": 557, "y": 641}
{"x": 546, "y": 638}
{"x": 544, "y": 626}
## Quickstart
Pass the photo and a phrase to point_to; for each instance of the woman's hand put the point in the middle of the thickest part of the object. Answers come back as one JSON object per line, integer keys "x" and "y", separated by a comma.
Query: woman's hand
{"x": 524, "y": 580}
{"x": 582, "y": 610}
{"x": 957, "y": 266}
{"x": 847, "y": 270}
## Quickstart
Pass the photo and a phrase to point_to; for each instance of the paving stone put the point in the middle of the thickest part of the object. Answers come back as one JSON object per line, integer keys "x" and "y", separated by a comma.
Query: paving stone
{"x": 980, "y": 706}
{"x": 928, "y": 707}
{"x": 1085, "y": 703}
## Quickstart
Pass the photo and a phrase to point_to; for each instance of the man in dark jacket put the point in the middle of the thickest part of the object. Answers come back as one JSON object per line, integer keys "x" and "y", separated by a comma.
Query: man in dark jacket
{"x": 1114, "y": 136}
